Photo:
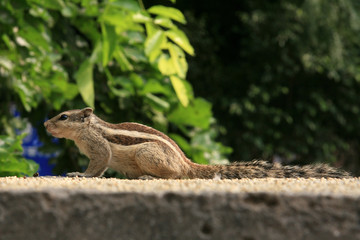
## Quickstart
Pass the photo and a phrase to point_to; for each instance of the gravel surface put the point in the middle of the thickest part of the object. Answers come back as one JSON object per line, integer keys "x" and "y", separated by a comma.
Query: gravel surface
{"x": 324, "y": 187}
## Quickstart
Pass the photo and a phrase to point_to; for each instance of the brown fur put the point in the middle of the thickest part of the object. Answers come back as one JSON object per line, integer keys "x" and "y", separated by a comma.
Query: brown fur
{"x": 139, "y": 151}
{"x": 263, "y": 169}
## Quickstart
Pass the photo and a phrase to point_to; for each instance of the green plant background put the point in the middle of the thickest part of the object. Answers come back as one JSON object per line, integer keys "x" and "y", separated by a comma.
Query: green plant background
{"x": 273, "y": 79}
{"x": 126, "y": 61}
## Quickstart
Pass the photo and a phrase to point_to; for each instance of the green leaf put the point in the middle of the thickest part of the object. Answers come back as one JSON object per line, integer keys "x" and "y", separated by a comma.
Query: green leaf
{"x": 197, "y": 114}
{"x": 141, "y": 17}
{"x": 169, "y": 12}
{"x": 36, "y": 37}
{"x": 154, "y": 86}
{"x": 85, "y": 82}
{"x": 91, "y": 8}
{"x": 150, "y": 29}
{"x": 120, "y": 19}
{"x": 88, "y": 28}
{"x": 18, "y": 166}
{"x": 54, "y": 4}
{"x": 11, "y": 161}
{"x": 166, "y": 65}
{"x": 178, "y": 59}
{"x": 154, "y": 42}
{"x": 120, "y": 57}
{"x": 69, "y": 10}
{"x": 164, "y": 22}
{"x": 55, "y": 87}
{"x": 136, "y": 80}
{"x": 180, "y": 90}
{"x": 6, "y": 63}
{"x": 128, "y": 5}
{"x": 207, "y": 150}
{"x": 109, "y": 42}
{"x": 126, "y": 83}
{"x": 97, "y": 53}
{"x": 10, "y": 44}
{"x": 135, "y": 54}
{"x": 157, "y": 102}
{"x": 26, "y": 94}
{"x": 179, "y": 37}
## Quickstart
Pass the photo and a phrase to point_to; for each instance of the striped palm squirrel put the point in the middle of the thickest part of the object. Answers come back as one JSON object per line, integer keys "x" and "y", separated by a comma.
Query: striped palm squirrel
{"x": 139, "y": 151}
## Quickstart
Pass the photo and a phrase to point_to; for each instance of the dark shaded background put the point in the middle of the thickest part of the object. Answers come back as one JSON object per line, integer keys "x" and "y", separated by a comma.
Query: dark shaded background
{"x": 283, "y": 76}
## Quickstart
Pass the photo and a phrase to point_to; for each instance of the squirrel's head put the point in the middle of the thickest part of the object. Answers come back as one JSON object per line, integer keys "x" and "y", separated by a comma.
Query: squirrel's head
{"x": 68, "y": 123}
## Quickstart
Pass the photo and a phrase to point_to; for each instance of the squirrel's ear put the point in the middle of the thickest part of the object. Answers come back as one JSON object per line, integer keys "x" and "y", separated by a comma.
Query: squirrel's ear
{"x": 87, "y": 111}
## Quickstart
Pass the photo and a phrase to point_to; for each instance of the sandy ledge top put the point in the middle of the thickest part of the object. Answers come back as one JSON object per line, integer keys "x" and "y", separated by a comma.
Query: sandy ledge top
{"x": 325, "y": 187}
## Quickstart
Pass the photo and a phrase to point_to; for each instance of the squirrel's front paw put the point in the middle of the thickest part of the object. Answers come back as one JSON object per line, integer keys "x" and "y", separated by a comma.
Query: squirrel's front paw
{"x": 75, "y": 174}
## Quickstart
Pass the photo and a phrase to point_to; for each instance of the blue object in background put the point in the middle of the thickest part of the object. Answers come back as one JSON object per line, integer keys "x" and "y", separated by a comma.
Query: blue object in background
{"x": 31, "y": 144}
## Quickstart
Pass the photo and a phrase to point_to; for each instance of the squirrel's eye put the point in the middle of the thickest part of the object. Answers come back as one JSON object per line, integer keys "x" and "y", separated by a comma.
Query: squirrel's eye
{"x": 63, "y": 117}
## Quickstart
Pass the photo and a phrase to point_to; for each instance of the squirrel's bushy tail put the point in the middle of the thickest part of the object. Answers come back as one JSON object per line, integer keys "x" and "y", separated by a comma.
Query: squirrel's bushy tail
{"x": 263, "y": 169}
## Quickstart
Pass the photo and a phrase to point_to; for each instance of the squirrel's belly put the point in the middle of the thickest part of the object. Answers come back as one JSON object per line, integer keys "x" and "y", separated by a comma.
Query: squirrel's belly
{"x": 123, "y": 161}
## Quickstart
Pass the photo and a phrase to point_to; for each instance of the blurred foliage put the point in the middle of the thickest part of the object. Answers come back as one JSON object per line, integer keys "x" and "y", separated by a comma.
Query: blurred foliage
{"x": 11, "y": 161}
{"x": 283, "y": 76}
{"x": 117, "y": 56}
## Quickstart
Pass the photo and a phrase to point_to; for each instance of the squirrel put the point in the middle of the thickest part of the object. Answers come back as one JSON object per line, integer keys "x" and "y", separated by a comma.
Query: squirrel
{"x": 139, "y": 151}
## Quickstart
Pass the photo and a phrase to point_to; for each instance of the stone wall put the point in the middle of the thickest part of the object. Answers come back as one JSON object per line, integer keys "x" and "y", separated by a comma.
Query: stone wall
{"x": 55, "y": 211}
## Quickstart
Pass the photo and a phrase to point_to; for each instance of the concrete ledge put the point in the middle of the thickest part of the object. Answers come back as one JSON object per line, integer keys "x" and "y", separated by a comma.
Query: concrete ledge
{"x": 65, "y": 208}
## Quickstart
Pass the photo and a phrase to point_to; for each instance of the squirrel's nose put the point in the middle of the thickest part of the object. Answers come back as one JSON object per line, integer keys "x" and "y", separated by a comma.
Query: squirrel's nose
{"x": 46, "y": 123}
